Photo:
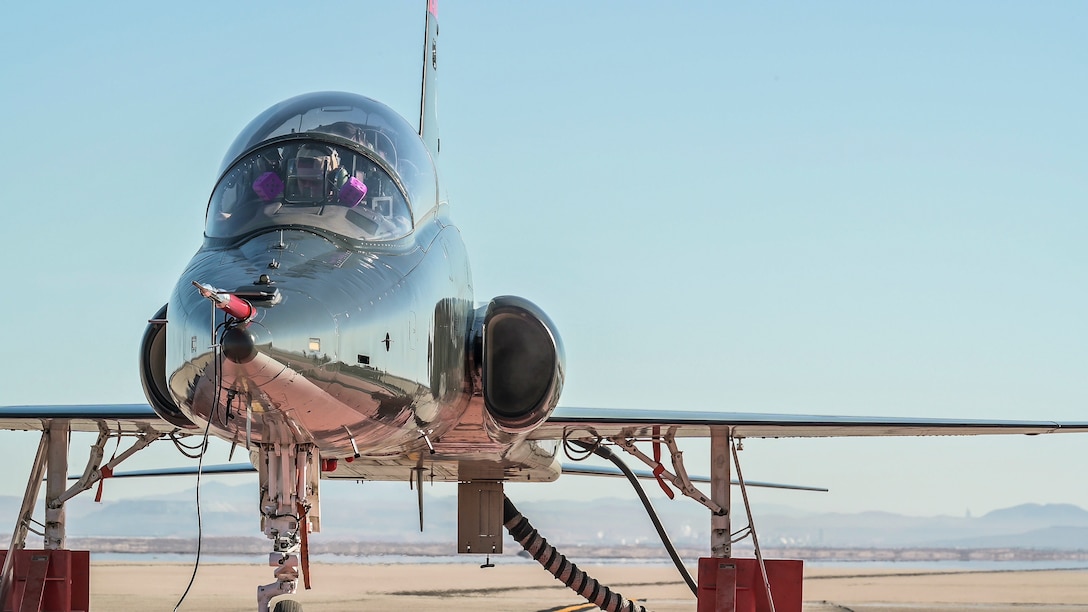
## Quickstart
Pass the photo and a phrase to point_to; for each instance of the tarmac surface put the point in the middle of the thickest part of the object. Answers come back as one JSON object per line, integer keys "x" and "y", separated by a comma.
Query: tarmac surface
{"x": 123, "y": 587}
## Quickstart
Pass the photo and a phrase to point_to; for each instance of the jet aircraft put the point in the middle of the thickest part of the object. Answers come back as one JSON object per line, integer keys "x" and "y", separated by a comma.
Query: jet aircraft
{"x": 327, "y": 326}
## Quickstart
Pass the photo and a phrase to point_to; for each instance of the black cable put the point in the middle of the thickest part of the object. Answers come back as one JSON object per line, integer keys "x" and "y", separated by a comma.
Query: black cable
{"x": 557, "y": 564}
{"x": 217, "y": 380}
{"x": 575, "y": 454}
{"x": 184, "y": 448}
{"x": 602, "y": 451}
{"x": 199, "y": 520}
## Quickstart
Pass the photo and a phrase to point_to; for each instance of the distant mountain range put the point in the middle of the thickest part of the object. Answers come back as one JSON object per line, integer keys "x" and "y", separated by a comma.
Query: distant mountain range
{"x": 361, "y": 516}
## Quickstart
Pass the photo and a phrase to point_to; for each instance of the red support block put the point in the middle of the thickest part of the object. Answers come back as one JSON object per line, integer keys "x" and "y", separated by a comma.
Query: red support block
{"x": 736, "y": 585}
{"x": 49, "y": 581}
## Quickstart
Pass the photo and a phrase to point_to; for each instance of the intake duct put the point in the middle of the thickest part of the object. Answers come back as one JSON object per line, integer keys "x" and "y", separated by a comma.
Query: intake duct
{"x": 519, "y": 361}
{"x": 153, "y": 372}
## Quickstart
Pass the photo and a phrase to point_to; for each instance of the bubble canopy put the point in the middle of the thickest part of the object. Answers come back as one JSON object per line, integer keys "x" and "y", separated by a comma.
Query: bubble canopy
{"x": 376, "y": 176}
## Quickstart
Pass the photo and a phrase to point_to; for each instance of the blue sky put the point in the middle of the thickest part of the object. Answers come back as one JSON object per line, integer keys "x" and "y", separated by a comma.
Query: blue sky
{"x": 833, "y": 208}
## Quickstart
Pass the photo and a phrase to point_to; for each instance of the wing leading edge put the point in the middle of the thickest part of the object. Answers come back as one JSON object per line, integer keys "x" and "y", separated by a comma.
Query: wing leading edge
{"x": 125, "y": 418}
{"x": 572, "y": 422}
{"x": 592, "y": 422}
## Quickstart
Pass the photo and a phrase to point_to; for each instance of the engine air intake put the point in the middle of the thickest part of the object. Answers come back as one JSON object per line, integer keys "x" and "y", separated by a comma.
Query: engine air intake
{"x": 522, "y": 363}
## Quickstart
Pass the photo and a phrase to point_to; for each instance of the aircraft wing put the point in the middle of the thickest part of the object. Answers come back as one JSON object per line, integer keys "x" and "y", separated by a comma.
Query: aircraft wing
{"x": 591, "y": 422}
{"x": 125, "y": 418}
{"x": 574, "y": 422}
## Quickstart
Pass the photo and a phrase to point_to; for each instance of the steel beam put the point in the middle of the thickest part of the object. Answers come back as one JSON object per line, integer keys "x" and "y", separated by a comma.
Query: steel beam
{"x": 56, "y": 484}
{"x": 720, "y": 540}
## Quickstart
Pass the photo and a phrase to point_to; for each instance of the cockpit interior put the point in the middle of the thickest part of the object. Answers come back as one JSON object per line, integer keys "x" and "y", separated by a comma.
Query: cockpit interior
{"x": 313, "y": 184}
{"x": 332, "y": 161}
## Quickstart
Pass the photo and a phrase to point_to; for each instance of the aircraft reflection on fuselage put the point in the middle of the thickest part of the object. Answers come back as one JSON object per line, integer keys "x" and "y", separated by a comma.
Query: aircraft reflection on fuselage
{"x": 354, "y": 323}
{"x": 346, "y": 316}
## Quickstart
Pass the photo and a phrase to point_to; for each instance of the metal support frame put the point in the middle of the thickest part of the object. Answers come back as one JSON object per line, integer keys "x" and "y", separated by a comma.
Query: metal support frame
{"x": 721, "y": 438}
{"x": 56, "y": 483}
{"x": 51, "y": 465}
{"x": 679, "y": 479}
{"x": 752, "y": 528}
{"x": 94, "y": 471}
{"x": 720, "y": 536}
{"x": 718, "y": 575}
{"x": 26, "y": 511}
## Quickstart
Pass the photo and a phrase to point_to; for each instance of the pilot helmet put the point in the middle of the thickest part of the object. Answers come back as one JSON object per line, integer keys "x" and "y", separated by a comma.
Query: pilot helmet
{"x": 308, "y": 171}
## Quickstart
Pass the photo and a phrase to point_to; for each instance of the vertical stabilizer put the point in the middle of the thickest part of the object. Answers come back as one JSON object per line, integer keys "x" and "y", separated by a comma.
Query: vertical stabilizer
{"x": 428, "y": 105}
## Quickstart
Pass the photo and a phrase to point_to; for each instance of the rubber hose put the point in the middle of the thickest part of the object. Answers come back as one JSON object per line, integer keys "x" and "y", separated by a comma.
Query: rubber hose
{"x": 557, "y": 565}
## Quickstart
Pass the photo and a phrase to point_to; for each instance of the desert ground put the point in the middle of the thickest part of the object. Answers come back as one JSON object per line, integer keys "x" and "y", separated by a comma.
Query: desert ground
{"x": 338, "y": 587}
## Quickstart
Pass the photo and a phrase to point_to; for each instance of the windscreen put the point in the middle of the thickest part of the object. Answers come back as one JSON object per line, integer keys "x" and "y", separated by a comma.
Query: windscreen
{"x": 309, "y": 183}
{"x": 372, "y": 126}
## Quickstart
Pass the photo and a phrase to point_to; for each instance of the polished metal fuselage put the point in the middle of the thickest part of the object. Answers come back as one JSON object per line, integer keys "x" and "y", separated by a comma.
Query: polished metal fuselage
{"x": 364, "y": 351}
{"x": 361, "y": 339}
